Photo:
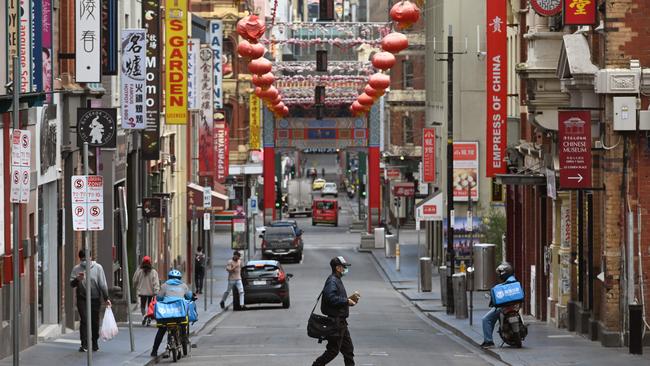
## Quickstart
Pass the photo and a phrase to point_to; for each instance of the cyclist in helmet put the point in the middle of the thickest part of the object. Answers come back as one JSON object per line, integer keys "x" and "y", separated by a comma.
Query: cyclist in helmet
{"x": 504, "y": 273}
{"x": 173, "y": 287}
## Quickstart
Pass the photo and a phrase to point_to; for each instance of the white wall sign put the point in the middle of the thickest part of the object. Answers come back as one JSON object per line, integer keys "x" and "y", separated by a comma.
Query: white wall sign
{"x": 132, "y": 77}
{"x": 216, "y": 42}
{"x": 21, "y": 145}
{"x": 193, "y": 45}
{"x": 431, "y": 209}
{"x": 207, "y": 197}
{"x": 87, "y": 199}
{"x": 87, "y": 39}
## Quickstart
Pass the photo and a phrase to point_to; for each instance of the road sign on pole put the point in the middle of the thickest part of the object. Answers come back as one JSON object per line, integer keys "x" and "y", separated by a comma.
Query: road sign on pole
{"x": 575, "y": 149}
{"x": 21, "y": 142}
{"x": 87, "y": 200}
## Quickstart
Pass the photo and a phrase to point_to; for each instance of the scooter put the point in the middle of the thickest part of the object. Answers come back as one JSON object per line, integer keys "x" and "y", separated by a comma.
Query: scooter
{"x": 512, "y": 329}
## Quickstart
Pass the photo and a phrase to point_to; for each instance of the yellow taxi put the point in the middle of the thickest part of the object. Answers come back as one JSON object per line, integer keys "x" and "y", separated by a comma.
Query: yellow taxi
{"x": 318, "y": 184}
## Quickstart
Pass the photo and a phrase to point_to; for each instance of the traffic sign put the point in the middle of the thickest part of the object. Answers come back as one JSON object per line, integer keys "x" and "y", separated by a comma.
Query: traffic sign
{"x": 207, "y": 197}
{"x": 87, "y": 199}
{"x": 21, "y": 146}
{"x": 252, "y": 205}
{"x": 575, "y": 149}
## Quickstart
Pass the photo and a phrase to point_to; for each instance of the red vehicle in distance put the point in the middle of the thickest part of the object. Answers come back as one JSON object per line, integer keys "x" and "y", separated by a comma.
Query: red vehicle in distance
{"x": 325, "y": 211}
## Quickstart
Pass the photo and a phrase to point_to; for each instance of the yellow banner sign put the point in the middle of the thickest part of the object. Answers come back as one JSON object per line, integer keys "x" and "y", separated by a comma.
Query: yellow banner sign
{"x": 255, "y": 124}
{"x": 176, "y": 62}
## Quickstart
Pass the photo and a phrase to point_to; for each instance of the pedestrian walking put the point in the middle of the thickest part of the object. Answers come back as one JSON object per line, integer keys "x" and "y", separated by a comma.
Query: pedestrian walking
{"x": 234, "y": 280}
{"x": 336, "y": 304}
{"x": 98, "y": 290}
{"x": 199, "y": 269}
{"x": 147, "y": 285}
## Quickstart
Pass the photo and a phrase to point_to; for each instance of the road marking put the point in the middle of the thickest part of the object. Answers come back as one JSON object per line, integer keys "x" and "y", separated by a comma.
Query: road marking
{"x": 560, "y": 336}
{"x": 69, "y": 341}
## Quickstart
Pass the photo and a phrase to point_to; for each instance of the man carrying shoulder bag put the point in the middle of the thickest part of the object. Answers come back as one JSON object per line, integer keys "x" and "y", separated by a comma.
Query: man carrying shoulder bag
{"x": 335, "y": 304}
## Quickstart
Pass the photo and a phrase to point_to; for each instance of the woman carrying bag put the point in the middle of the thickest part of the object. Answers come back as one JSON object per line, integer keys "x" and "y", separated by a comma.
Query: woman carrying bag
{"x": 147, "y": 285}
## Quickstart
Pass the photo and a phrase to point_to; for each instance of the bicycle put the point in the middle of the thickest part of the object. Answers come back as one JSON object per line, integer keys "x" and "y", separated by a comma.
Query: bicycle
{"x": 178, "y": 341}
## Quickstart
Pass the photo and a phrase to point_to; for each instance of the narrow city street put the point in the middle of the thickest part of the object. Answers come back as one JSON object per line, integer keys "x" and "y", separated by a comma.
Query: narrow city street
{"x": 386, "y": 330}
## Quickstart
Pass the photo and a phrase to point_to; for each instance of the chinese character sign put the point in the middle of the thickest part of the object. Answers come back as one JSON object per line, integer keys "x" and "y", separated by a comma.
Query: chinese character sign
{"x": 497, "y": 88}
{"x": 151, "y": 134}
{"x": 429, "y": 155}
{"x": 574, "y": 143}
{"x": 206, "y": 130}
{"x": 254, "y": 117}
{"x": 87, "y": 39}
{"x": 579, "y": 12}
{"x": 132, "y": 77}
{"x": 466, "y": 173}
{"x": 222, "y": 149}
{"x": 193, "y": 45}
{"x": 216, "y": 42}
{"x": 176, "y": 58}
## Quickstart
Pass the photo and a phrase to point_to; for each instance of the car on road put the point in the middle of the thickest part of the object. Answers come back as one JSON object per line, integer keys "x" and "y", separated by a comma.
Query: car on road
{"x": 325, "y": 211}
{"x": 265, "y": 281}
{"x": 281, "y": 242}
{"x": 318, "y": 184}
{"x": 329, "y": 189}
{"x": 292, "y": 223}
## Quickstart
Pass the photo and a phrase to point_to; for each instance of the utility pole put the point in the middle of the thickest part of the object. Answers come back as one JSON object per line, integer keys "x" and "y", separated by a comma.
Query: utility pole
{"x": 86, "y": 237}
{"x": 15, "y": 330}
{"x": 451, "y": 255}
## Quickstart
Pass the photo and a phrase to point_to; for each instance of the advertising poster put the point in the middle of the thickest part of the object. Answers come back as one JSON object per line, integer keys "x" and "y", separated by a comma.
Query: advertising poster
{"x": 466, "y": 174}
{"x": 48, "y": 147}
{"x": 132, "y": 78}
{"x": 25, "y": 46}
{"x": 497, "y": 88}
{"x": 151, "y": 134}
{"x": 193, "y": 45}
{"x": 12, "y": 35}
{"x": 238, "y": 233}
{"x": 88, "y": 24}
{"x": 37, "y": 44}
{"x": 465, "y": 236}
{"x": 255, "y": 126}
{"x": 206, "y": 125}
{"x": 176, "y": 57}
{"x": 216, "y": 42}
{"x": 46, "y": 49}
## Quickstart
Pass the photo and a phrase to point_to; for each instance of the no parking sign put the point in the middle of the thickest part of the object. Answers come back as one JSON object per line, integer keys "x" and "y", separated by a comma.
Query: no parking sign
{"x": 87, "y": 199}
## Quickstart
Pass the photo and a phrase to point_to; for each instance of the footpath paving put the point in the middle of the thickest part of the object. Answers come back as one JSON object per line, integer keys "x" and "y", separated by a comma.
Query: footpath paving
{"x": 64, "y": 350}
{"x": 545, "y": 344}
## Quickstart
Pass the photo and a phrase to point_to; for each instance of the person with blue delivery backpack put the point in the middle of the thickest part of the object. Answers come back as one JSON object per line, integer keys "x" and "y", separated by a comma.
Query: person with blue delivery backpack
{"x": 173, "y": 287}
{"x": 505, "y": 275}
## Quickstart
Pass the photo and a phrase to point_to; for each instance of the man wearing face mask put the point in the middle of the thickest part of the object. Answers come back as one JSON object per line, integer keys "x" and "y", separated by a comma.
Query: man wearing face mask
{"x": 336, "y": 304}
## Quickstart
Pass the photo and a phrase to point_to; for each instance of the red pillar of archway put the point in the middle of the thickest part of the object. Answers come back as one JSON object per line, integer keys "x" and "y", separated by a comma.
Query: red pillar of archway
{"x": 269, "y": 184}
{"x": 373, "y": 186}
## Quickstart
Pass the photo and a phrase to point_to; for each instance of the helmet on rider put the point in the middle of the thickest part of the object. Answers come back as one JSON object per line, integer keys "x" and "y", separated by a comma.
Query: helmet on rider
{"x": 504, "y": 270}
{"x": 174, "y": 273}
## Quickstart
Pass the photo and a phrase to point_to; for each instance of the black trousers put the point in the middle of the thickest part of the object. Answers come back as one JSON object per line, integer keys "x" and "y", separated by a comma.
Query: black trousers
{"x": 342, "y": 344}
{"x": 94, "y": 321}
{"x": 161, "y": 334}
{"x": 198, "y": 277}
{"x": 144, "y": 303}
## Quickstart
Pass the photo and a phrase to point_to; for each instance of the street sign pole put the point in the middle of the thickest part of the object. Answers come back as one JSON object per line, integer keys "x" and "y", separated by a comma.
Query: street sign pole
{"x": 16, "y": 222}
{"x": 127, "y": 280}
{"x": 89, "y": 329}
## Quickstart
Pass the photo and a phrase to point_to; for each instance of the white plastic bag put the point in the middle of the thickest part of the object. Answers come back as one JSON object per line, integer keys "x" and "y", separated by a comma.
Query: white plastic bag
{"x": 108, "y": 329}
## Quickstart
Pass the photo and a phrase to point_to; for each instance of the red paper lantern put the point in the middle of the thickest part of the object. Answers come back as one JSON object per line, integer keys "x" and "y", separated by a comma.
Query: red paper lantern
{"x": 263, "y": 81}
{"x": 375, "y": 93}
{"x": 251, "y": 28}
{"x": 260, "y": 66}
{"x": 394, "y": 42}
{"x": 277, "y": 100}
{"x": 383, "y": 60}
{"x": 405, "y": 13}
{"x": 257, "y": 50}
{"x": 277, "y": 108}
{"x": 245, "y": 49}
{"x": 270, "y": 94}
{"x": 365, "y": 99}
{"x": 285, "y": 111}
{"x": 357, "y": 108}
{"x": 379, "y": 81}
{"x": 259, "y": 92}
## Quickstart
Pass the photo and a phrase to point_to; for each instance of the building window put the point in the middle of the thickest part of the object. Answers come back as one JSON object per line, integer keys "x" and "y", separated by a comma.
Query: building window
{"x": 407, "y": 74}
{"x": 407, "y": 125}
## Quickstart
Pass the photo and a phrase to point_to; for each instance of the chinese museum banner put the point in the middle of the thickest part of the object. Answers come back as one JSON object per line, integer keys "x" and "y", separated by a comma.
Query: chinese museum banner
{"x": 497, "y": 88}
{"x": 176, "y": 58}
{"x": 132, "y": 77}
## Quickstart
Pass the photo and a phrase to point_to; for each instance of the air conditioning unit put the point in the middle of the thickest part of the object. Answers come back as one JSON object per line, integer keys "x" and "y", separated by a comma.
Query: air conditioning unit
{"x": 617, "y": 81}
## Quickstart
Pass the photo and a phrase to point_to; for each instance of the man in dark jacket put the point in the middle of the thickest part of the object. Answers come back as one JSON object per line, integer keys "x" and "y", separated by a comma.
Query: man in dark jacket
{"x": 336, "y": 304}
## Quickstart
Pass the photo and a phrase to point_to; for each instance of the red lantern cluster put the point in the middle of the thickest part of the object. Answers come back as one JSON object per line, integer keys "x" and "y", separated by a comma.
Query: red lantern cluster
{"x": 405, "y": 14}
{"x": 377, "y": 85}
{"x": 251, "y": 28}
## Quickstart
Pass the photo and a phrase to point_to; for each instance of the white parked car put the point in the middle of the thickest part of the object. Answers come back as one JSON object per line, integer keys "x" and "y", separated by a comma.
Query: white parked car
{"x": 329, "y": 189}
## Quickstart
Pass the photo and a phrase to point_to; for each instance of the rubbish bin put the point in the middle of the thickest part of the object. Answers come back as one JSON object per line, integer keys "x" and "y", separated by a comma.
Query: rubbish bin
{"x": 442, "y": 272}
{"x": 380, "y": 238}
{"x": 425, "y": 274}
{"x": 460, "y": 296}
{"x": 391, "y": 243}
{"x": 484, "y": 266}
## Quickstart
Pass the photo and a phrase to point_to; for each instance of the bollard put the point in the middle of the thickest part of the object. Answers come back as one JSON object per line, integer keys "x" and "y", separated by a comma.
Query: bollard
{"x": 425, "y": 274}
{"x": 635, "y": 343}
{"x": 442, "y": 272}
{"x": 460, "y": 297}
{"x": 470, "y": 288}
{"x": 397, "y": 257}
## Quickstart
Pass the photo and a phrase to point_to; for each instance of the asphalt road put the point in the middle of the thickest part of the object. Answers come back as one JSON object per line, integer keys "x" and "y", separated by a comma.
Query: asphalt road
{"x": 385, "y": 329}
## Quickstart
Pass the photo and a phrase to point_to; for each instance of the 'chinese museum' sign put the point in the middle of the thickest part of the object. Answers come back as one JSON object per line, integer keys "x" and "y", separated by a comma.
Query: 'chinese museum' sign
{"x": 429, "y": 155}
{"x": 497, "y": 88}
{"x": 579, "y": 12}
{"x": 575, "y": 149}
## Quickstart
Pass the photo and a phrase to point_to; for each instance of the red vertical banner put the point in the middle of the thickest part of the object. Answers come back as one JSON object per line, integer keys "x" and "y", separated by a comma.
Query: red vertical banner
{"x": 574, "y": 133}
{"x": 579, "y": 12}
{"x": 497, "y": 88}
{"x": 269, "y": 184}
{"x": 429, "y": 155}
{"x": 221, "y": 145}
{"x": 374, "y": 186}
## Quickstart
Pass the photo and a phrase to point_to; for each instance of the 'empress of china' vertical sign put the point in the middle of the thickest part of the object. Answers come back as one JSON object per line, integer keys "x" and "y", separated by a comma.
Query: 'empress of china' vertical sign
{"x": 497, "y": 88}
